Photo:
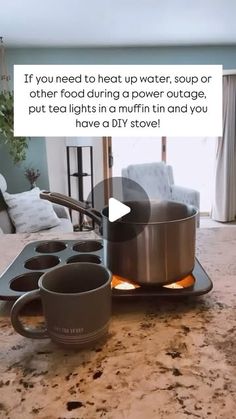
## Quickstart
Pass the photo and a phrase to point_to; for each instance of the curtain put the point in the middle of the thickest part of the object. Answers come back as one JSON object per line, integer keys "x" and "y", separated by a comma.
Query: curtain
{"x": 224, "y": 207}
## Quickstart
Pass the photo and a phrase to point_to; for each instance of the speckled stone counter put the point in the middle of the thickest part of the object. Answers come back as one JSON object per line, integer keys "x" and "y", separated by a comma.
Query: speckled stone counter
{"x": 163, "y": 359}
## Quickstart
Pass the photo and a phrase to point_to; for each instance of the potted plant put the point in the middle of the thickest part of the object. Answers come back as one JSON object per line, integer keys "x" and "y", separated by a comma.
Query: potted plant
{"x": 32, "y": 175}
{"x": 17, "y": 145}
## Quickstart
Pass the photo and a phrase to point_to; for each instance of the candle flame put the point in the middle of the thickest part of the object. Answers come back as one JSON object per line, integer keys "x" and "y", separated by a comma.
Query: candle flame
{"x": 121, "y": 283}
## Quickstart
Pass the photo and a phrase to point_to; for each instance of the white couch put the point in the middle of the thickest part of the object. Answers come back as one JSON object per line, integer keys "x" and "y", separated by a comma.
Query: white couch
{"x": 6, "y": 225}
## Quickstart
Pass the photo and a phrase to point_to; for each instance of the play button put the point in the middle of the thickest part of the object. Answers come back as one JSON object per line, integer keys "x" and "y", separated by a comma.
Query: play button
{"x": 123, "y": 207}
{"x": 116, "y": 210}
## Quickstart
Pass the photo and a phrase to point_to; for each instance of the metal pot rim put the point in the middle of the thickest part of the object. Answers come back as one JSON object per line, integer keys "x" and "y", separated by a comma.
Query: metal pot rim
{"x": 177, "y": 220}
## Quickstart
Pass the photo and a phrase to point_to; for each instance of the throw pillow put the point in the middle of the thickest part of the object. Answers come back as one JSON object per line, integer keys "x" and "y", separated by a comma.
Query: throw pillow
{"x": 29, "y": 213}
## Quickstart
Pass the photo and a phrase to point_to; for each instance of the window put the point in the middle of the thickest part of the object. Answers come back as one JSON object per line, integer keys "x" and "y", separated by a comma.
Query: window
{"x": 193, "y": 161}
{"x": 134, "y": 150}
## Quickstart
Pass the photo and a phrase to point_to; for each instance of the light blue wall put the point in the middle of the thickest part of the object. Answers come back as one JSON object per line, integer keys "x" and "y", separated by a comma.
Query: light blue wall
{"x": 225, "y": 55}
{"x": 36, "y": 155}
{"x": 14, "y": 174}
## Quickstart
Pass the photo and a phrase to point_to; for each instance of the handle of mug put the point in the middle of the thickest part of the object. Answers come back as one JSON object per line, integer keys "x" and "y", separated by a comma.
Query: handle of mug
{"x": 16, "y": 323}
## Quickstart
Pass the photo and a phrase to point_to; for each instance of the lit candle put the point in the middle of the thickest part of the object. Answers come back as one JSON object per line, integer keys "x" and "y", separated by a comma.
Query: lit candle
{"x": 173, "y": 286}
{"x": 125, "y": 286}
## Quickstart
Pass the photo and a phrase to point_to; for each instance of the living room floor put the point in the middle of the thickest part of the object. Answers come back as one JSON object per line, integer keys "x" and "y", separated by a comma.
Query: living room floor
{"x": 207, "y": 222}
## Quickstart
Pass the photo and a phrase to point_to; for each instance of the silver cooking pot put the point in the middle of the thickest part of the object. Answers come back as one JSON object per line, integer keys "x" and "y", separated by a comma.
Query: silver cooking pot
{"x": 159, "y": 251}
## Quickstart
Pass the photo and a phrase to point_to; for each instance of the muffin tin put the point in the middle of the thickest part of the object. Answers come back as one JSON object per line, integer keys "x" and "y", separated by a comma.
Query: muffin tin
{"x": 39, "y": 257}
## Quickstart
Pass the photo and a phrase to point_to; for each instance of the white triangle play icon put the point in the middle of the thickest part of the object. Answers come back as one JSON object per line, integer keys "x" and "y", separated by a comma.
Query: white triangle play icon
{"x": 117, "y": 209}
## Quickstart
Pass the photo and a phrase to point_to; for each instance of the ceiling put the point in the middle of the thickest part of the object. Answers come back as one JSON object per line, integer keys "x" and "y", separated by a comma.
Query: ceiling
{"x": 103, "y": 23}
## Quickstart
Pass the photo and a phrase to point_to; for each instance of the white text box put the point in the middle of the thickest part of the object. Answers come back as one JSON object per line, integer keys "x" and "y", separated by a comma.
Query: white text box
{"x": 122, "y": 100}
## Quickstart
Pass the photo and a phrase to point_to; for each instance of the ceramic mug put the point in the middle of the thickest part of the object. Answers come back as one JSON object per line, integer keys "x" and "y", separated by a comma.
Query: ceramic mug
{"x": 76, "y": 300}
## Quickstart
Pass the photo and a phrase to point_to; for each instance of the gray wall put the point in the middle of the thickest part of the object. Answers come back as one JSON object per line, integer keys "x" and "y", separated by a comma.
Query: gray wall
{"x": 36, "y": 155}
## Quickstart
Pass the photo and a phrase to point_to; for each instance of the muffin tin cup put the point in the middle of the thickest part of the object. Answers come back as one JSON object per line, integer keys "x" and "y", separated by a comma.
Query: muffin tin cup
{"x": 85, "y": 258}
{"x": 87, "y": 246}
{"x": 42, "y": 262}
{"x": 25, "y": 282}
{"x": 52, "y": 246}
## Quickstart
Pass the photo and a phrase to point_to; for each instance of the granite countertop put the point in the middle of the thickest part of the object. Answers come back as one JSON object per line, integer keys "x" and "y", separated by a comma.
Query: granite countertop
{"x": 163, "y": 358}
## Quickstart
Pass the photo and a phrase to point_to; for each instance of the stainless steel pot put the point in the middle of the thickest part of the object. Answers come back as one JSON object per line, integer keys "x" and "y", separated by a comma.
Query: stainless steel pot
{"x": 160, "y": 251}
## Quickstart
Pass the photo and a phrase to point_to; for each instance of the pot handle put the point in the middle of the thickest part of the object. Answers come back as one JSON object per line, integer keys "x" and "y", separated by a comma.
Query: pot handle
{"x": 72, "y": 203}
